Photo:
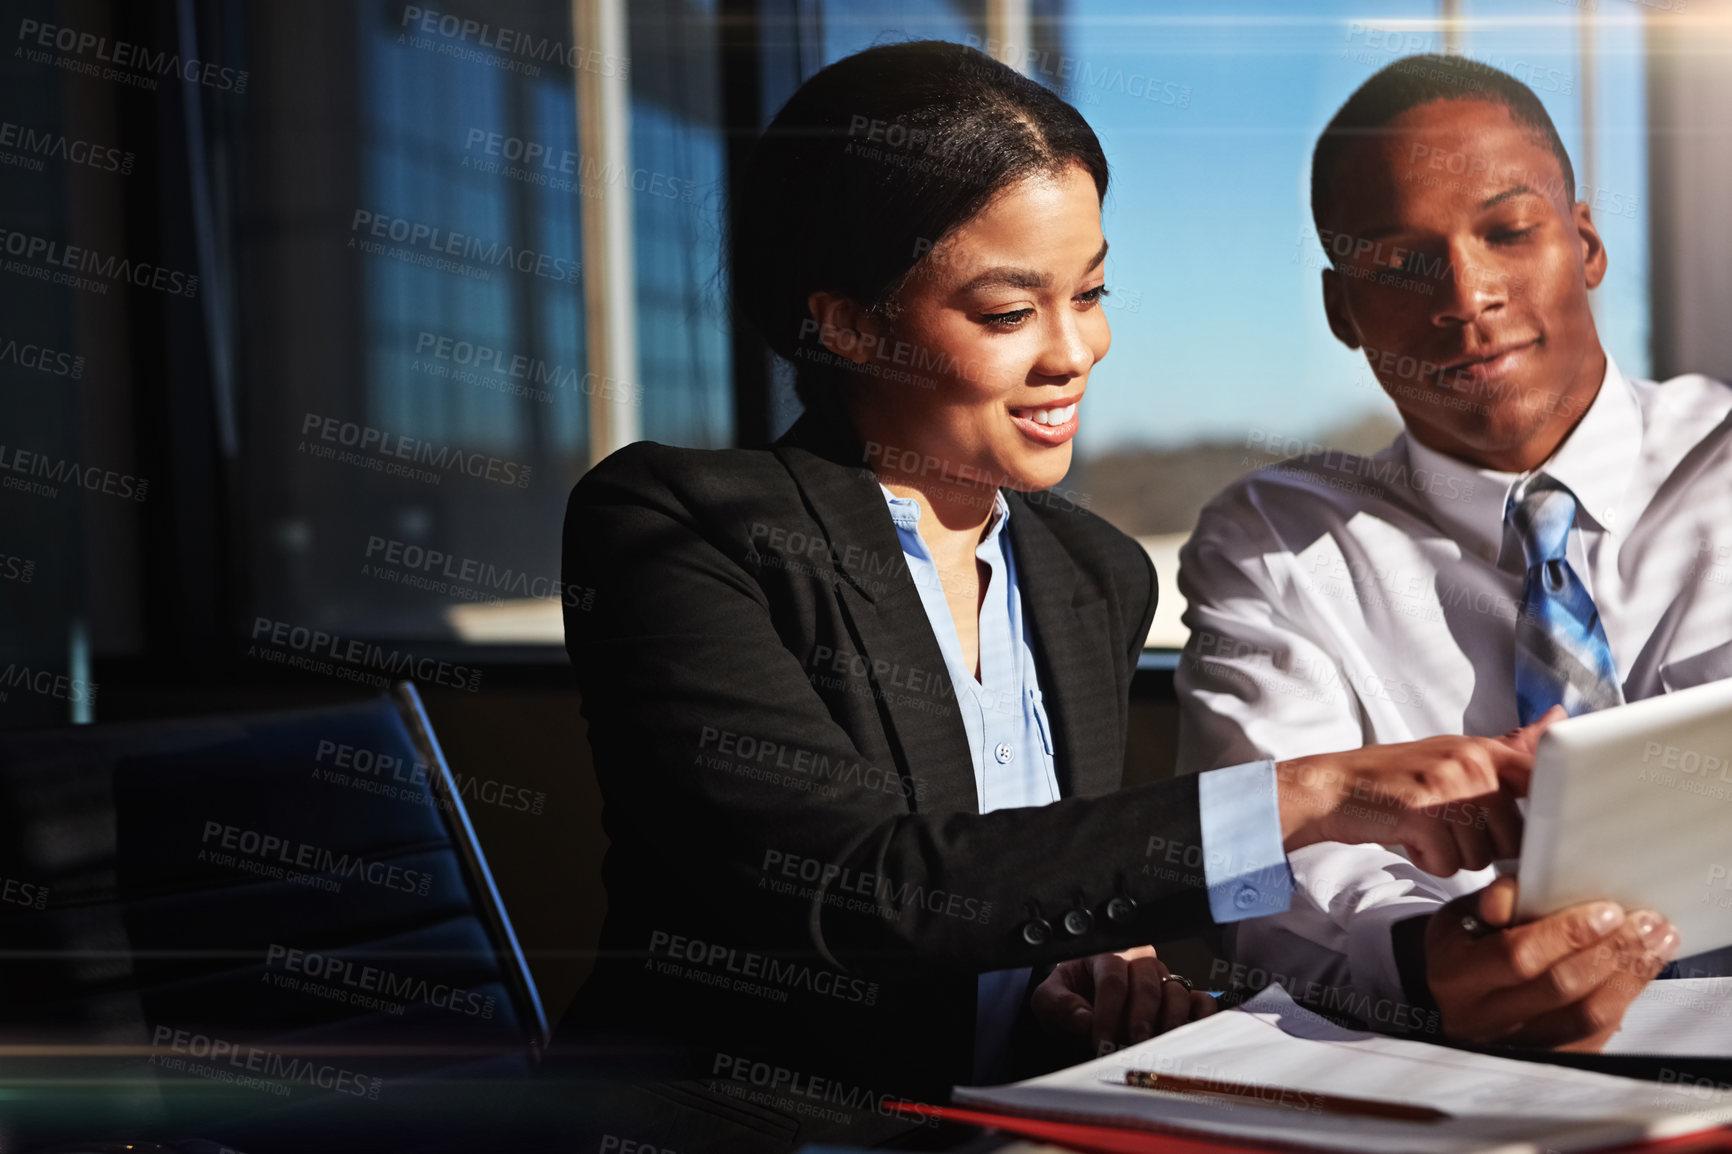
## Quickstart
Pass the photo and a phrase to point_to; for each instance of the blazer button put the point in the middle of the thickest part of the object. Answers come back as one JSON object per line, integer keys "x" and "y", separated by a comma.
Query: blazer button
{"x": 1120, "y": 909}
{"x": 1036, "y": 932}
{"x": 1078, "y": 922}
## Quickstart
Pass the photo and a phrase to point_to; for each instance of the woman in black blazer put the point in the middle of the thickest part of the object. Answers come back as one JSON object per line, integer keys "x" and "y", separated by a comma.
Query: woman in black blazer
{"x": 802, "y": 888}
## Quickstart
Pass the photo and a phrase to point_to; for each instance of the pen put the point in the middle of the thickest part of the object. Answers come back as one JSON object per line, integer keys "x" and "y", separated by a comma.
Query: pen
{"x": 1280, "y": 1096}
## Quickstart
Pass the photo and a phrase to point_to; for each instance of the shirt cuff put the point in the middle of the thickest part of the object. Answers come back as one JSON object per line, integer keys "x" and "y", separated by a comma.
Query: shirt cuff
{"x": 1244, "y": 865}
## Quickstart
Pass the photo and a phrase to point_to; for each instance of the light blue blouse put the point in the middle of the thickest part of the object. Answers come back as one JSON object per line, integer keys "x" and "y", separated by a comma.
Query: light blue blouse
{"x": 1010, "y": 743}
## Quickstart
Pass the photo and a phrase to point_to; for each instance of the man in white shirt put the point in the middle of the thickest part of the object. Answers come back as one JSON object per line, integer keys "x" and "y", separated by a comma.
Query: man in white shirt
{"x": 1337, "y": 601}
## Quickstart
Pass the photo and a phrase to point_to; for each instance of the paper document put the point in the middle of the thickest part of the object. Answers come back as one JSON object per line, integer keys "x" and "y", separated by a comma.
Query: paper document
{"x": 1680, "y": 1017}
{"x": 1495, "y": 1104}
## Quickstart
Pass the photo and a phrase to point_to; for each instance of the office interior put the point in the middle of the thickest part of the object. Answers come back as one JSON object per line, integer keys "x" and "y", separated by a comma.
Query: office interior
{"x": 275, "y": 437}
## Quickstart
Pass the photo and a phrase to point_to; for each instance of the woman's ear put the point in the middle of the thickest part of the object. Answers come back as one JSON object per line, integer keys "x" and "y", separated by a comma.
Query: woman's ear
{"x": 843, "y": 327}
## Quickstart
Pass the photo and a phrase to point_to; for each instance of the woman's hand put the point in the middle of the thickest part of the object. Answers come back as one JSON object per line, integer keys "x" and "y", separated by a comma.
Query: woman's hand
{"x": 1115, "y": 1000}
{"x": 1451, "y": 801}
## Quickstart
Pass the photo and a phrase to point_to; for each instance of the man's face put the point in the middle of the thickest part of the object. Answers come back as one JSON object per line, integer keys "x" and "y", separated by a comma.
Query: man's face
{"x": 1462, "y": 269}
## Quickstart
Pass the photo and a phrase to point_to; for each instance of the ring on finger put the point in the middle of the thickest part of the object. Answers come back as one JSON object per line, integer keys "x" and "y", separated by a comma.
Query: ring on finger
{"x": 1179, "y": 978}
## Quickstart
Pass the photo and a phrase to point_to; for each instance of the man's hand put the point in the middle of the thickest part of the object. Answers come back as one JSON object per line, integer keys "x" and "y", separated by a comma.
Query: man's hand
{"x": 1563, "y": 981}
{"x": 1116, "y": 999}
{"x": 1451, "y": 801}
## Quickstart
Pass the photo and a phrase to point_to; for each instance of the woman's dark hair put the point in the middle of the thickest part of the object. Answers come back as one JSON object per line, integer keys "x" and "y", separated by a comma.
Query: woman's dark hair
{"x": 867, "y": 167}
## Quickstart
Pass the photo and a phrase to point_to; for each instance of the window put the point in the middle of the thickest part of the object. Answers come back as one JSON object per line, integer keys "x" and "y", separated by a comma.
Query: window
{"x": 414, "y": 490}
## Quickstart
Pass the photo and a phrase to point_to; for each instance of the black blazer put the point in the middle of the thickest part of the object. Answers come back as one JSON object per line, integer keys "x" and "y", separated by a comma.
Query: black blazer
{"x": 798, "y": 869}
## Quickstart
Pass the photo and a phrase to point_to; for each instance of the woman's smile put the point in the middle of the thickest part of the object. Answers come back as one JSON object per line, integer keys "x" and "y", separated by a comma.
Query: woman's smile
{"x": 1048, "y": 425}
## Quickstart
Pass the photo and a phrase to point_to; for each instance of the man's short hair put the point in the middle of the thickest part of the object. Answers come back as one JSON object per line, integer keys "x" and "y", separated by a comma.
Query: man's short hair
{"x": 1416, "y": 80}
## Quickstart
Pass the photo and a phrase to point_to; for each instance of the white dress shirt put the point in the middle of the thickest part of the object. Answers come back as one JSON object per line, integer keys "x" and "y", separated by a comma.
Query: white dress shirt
{"x": 1337, "y": 601}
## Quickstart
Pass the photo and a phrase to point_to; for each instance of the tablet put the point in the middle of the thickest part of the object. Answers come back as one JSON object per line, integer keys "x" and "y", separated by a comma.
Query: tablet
{"x": 1634, "y": 804}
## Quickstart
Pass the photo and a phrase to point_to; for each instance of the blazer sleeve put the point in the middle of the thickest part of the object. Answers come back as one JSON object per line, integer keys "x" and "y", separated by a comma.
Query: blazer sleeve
{"x": 677, "y": 655}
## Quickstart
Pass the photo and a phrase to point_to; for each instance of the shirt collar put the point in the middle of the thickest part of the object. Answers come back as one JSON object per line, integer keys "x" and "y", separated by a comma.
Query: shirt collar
{"x": 1596, "y": 459}
{"x": 905, "y": 512}
{"x": 1467, "y": 505}
{"x": 1595, "y": 462}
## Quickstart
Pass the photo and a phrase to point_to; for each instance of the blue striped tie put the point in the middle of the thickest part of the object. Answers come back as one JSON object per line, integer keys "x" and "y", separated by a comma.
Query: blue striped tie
{"x": 1561, "y": 652}
{"x": 1561, "y": 655}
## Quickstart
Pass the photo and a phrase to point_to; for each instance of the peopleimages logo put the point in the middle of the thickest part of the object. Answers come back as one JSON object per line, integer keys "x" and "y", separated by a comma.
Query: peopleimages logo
{"x": 53, "y": 254}
{"x": 883, "y": 895}
{"x": 469, "y": 572}
{"x": 29, "y": 463}
{"x": 387, "y": 775}
{"x": 272, "y": 855}
{"x": 360, "y": 656}
{"x": 535, "y": 371}
{"x": 548, "y": 166}
{"x": 438, "y": 241}
{"x": 360, "y": 982}
{"x": 34, "y": 142}
{"x": 511, "y": 42}
{"x": 126, "y": 55}
{"x": 274, "y": 1072}
{"x": 382, "y": 450}
{"x": 46, "y": 683}
{"x": 749, "y": 972}
{"x": 41, "y": 359}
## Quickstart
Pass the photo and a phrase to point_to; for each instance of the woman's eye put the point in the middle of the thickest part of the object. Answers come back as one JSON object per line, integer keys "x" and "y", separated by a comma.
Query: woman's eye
{"x": 1009, "y": 320}
{"x": 1093, "y": 296}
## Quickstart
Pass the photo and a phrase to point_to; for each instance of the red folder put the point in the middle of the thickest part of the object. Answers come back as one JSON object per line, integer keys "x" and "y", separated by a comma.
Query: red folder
{"x": 1083, "y": 1136}
{"x": 1092, "y": 1139}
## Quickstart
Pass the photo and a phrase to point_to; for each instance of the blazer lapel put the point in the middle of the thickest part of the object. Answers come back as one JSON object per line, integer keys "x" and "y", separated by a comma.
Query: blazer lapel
{"x": 1075, "y": 651}
{"x": 917, "y": 705}
{"x": 1076, "y": 656}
